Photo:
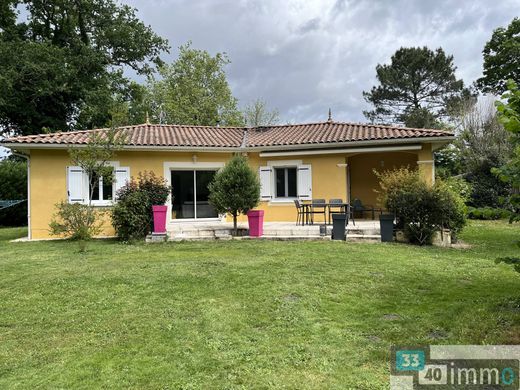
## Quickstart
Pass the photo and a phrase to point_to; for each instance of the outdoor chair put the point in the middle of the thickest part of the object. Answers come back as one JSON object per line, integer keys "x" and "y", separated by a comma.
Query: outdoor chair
{"x": 336, "y": 206}
{"x": 300, "y": 212}
{"x": 318, "y": 206}
{"x": 359, "y": 207}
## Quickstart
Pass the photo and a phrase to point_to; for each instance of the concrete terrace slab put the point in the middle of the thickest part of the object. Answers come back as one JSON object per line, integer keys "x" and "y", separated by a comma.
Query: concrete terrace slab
{"x": 363, "y": 230}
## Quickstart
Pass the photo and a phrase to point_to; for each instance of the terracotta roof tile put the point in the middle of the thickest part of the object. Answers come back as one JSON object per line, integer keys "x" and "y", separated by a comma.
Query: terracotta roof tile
{"x": 238, "y": 137}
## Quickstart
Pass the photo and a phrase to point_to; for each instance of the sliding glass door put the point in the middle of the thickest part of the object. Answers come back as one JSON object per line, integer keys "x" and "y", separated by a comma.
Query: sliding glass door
{"x": 190, "y": 194}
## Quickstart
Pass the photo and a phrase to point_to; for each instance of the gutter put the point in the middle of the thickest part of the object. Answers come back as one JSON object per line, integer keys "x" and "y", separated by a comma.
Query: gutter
{"x": 342, "y": 151}
{"x": 27, "y": 158}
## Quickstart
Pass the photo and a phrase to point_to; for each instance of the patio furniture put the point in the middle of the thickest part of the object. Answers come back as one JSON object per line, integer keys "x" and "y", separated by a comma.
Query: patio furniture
{"x": 336, "y": 206}
{"x": 317, "y": 206}
{"x": 358, "y": 206}
{"x": 300, "y": 212}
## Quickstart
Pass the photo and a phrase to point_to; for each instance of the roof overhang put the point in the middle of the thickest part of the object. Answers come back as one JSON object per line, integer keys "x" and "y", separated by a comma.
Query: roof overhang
{"x": 436, "y": 141}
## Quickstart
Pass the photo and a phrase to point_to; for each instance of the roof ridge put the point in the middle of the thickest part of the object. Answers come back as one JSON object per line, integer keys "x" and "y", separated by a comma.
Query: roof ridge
{"x": 352, "y": 124}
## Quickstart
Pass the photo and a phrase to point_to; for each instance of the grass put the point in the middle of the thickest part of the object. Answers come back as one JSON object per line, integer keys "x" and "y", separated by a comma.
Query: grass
{"x": 244, "y": 314}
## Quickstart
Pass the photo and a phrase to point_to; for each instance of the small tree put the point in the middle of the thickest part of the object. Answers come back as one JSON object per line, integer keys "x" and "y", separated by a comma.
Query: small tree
{"x": 82, "y": 221}
{"x": 235, "y": 189}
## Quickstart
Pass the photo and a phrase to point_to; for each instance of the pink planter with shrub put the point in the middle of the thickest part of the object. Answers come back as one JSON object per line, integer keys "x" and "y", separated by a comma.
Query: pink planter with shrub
{"x": 159, "y": 219}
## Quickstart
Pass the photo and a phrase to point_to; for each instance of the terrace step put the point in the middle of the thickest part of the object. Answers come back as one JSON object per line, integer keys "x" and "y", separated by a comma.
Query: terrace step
{"x": 273, "y": 231}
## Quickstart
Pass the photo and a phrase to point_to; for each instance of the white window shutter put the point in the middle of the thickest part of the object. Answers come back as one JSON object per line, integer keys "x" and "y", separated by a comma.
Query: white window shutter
{"x": 304, "y": 182}
{"x": 265, "y": 174}
{"x": 121, "y": 178}
{"x": 76, "y": 190}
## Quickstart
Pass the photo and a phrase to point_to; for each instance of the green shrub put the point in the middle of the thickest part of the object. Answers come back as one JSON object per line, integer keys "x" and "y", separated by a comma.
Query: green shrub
{"x": 421, "y": 209}
{"x": 487, "y": 189}
{"x": 79, "y": 222}
{"x": 459, "y": 186}
{"x": 13, "y": 179}
{"x": 132, "y": 215}
{"x": 488, "y": 213}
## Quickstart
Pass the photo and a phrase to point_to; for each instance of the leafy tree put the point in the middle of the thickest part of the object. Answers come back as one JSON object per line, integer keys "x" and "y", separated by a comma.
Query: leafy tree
{"x": 482, "y": 144}
{"x": 416, "y": 89}
{"x": 69, "y": 55}
{"x": 235, "y": 189}
{"x": 509, "y": 115}
{"x": 194, "y": 90}
{"x": 131, "y": 107}
{"x": 501, "y": 59}
{"x": 258, "y": 114}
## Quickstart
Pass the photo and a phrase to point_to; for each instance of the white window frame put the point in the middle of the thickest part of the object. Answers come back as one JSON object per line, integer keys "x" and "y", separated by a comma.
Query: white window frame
{"x": 286, "y": 182}
{"x": 101, "y": 203}
{"x": 169, "y": 166}
{"x": 283, "y": 164}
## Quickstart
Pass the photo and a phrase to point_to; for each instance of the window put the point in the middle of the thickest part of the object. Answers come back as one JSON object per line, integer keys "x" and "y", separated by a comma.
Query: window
{"x": 101, "y": 190}
{"x": 286, "y": 180}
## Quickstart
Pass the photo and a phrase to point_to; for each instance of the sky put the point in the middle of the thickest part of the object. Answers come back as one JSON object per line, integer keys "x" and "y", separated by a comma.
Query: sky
{"x": 304, "y": 56}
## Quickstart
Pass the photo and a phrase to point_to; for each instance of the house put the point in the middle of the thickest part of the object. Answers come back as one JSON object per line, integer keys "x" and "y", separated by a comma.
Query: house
{"x": 303, "y": 161}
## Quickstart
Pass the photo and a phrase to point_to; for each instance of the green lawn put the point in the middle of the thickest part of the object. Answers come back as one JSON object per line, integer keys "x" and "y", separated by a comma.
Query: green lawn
{"x": 244, "y": 314}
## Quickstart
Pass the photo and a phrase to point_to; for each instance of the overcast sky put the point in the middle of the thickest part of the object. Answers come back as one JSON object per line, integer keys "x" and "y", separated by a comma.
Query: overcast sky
{"x": 304, "y": 56}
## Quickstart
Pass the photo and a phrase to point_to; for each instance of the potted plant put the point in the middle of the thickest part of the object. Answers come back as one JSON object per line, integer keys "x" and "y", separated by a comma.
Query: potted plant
{"x": 236, "y": 190}
{"x": 157, "y": 191}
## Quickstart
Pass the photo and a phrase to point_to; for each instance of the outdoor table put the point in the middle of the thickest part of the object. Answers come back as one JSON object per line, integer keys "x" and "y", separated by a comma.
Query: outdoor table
{"x": 308, "y": 206}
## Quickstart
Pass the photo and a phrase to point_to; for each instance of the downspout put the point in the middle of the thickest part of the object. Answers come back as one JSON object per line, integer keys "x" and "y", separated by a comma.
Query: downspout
{"x": 26, "y": 157}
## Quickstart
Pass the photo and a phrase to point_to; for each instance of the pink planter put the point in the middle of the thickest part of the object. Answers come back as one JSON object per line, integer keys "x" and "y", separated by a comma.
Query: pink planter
{"x": 256, "y": 222}
{"x": 159, "y": 219}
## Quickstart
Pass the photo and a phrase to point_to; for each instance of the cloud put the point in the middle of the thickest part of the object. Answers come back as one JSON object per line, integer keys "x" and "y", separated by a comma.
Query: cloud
{"x": 305, "y": 56}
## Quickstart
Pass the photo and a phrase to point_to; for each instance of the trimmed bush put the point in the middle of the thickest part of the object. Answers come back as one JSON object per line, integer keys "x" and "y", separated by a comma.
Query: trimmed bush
{"x": 132, "y": 215}
{"x": 235, "y": 189}
{"x": 421, "y": 209}
{"x": 488, "y": 213}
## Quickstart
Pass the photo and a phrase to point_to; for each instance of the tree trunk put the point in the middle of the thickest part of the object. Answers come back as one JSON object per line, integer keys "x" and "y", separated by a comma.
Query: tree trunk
{"x": 235, "y": 228}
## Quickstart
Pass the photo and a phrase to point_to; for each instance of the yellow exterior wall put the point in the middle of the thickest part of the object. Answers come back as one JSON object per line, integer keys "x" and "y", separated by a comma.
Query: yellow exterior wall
{"x": 363, "y": 180}
{"x": 329, "y": 177}
{"x": 328, "y": 181}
